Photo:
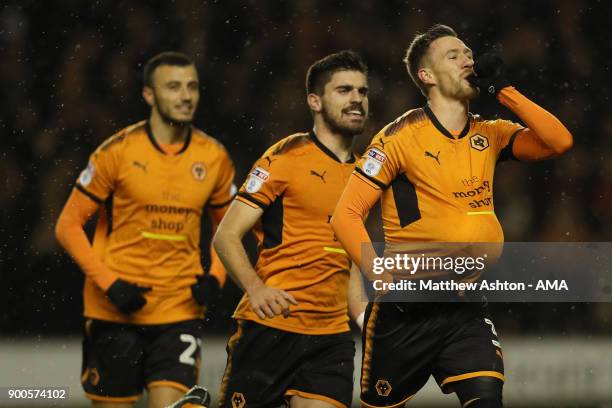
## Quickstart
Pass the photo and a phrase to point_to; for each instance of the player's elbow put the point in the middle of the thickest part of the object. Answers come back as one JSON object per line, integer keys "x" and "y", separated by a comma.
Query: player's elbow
{"x": 221, "y": 239}
{"x": 564, "y": 143}
{"x": 60, "y": 230}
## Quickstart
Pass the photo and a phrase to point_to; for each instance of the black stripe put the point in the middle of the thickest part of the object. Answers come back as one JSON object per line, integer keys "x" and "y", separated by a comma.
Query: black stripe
{"x": 158, "y": 147}
{"x": 406, "y": 201}
{"x": 272, "y": 224}
{"x": 442, "y": 129}
{"x": 253, "y": 200}
{"x": 222, "y": 204}
{"x": 328, "y": 152}
{"x": 506, "y": 153}
{"x": 372, "y": 179}
{"x": 88, "y": 194}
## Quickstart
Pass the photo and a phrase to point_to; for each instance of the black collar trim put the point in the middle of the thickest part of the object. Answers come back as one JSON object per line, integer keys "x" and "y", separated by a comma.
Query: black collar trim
{"x": 442, "y": 129}
{"x": 158, "y": 147}
{"x": 328, "y": 152}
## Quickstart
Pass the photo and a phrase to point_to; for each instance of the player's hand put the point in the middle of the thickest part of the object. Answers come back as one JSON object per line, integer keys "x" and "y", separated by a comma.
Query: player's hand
{"x": 269, "y": 302}
{"x": 196, "y": 397}
{"x": 490, "y": 75}
{"x": 126, "y": 296}
{"x": 206, "y": 290}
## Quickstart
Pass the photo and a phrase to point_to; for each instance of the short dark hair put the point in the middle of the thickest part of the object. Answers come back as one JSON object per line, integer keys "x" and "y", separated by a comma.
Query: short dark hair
{"x": 164, "y": 58}
{"x": 418, "y": 49}
{"x": 321, "y": 71}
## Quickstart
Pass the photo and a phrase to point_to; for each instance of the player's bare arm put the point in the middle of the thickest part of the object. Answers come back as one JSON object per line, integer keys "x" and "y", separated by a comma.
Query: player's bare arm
{"x": 265, "y": 300}
{"x": 356, "y": 296}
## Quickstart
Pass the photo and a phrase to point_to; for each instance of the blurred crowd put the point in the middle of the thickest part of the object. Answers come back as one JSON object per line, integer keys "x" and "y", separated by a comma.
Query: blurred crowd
{"x": 71, "y": 76}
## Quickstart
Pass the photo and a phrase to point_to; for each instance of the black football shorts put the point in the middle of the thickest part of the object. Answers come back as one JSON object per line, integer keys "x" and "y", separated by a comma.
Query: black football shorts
{"x": 266, "y": 366}
{"x": 119, "y": 360}
{"x": 405, "y": 343}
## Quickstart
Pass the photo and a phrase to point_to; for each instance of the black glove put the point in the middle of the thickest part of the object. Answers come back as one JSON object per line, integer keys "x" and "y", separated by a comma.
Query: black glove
{"x": 126, "y": 296}
{"x": 206, "y": 290}
{"x": 195, "y": 396}
{"x": 490, "y": 74}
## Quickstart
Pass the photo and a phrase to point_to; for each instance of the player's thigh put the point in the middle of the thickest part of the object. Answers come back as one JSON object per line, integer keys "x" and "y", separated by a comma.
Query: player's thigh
{"x": 161, "y": 397}
{"x": 472, "y": 350}
{"x": 112, "y": 368}
{"x": 325, "y": 370}
{"x": 261, "y": 364}
{"x": 301, "y": 402}
{"x": 480, "y": 392}
{"x": 399, "y": 347}
{"x": 173, "y": 355}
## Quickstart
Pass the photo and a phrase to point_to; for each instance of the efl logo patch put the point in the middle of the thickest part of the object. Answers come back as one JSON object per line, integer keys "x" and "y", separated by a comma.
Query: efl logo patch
{"x": 198, "y": 171}
{"x": 479, "y": 142}
{"x": 256, "y": 180}
{"x": 373, "y": 163}
{"x": 87, "y": 175}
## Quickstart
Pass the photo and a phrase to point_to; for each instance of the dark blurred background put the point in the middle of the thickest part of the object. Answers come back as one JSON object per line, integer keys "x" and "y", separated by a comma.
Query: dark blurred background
{"x": 70, "y": 77}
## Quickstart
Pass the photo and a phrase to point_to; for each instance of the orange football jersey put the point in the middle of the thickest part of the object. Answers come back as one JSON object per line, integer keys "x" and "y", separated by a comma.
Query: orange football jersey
{"x": 437, "y": 186}
{"x": 297, "y": 182}
{"x": 150, "y": 231}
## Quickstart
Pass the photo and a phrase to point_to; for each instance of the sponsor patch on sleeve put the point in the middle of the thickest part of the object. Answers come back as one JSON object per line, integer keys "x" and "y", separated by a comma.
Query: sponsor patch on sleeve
{"x": 256, "y": 179}
{"x": 87, "y": 175}
{"x": 373, "y": 163}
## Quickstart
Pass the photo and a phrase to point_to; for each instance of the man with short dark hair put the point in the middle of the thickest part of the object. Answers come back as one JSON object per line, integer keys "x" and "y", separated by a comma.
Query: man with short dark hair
{"x": 145, "y": 291}
{"x": 292, "y": 341}
{"x": 433, "y": 167}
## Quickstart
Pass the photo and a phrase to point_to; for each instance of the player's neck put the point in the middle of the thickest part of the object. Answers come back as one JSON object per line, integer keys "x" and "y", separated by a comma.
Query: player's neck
{"x": 340, "y": 145}
{"x": 451, "y": 113}
{"x": 166, "y": 133}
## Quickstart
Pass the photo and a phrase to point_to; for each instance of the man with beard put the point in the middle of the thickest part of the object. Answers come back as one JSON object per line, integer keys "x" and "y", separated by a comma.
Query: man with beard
{"x": 433, "y": 168}
{"x": 145, "y": 291}
{"x": 292, "y": 343}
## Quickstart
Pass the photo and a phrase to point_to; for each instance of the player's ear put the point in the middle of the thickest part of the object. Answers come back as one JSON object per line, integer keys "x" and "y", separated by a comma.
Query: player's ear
{"x": 426, "y": 76}
{"x": 314, "y": 102}
{"x": 148, "y": 95}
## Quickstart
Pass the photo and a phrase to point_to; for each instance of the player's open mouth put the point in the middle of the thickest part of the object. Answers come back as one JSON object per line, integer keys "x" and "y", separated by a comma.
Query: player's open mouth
{"x": 355, "y": 113}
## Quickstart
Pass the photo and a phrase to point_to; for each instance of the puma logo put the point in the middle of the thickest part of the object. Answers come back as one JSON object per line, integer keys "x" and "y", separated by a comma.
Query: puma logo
{"x": 382, "y": 143}
{"x": 138, "y": 164}
{"x": 321, "y": 176}
{"x": 428, "y": 154}
{"x": 269, "y": 160}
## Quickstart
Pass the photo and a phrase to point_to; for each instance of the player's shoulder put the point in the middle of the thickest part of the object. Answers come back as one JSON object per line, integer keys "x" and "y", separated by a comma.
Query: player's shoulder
{"x": 202, "y": 140}
{"x": 404, "y": 124}
{"x": 480, "y": 121}
{"x": 293, "y": 145}
{"x": 129, "y": 134}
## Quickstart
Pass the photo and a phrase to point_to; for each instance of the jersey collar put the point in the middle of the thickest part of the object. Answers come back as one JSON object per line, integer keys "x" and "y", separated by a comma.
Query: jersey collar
{"x": 154, "y": 142}
{"x": 442, "y": 129}
{"x": 328, "y": 152}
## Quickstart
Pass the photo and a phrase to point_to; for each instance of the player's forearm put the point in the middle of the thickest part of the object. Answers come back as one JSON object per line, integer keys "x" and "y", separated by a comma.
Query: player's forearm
{"x": 546, "y": 126}
{"x": 356, "y": 294}
{"x": 70, "y": 234}
{"x": 348, "y": 221}
{"x": 232, "y": 254}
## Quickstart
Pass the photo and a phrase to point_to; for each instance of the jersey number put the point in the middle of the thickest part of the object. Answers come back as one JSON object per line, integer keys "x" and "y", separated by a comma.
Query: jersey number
{"x": 187, "y": 356}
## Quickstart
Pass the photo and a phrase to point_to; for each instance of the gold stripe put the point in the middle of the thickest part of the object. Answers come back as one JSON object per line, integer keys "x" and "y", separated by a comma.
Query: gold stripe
{"x": 164, "y": 237}
{"x": 367, "y": 352}
{"x": 336, "y": 250}
{"x": 481, "y": 213}
{"x": 473, "y": 375}
{"x": 231, "y": 345}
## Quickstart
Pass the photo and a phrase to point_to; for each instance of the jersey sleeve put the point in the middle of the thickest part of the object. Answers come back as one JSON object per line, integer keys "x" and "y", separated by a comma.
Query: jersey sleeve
{"x": 266, "y": 181}
{"x": 505, "y": 133}
{"x": 225, "y": 189}
{"x": 380, "y": 164}
{"x": 97, "y": 180}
